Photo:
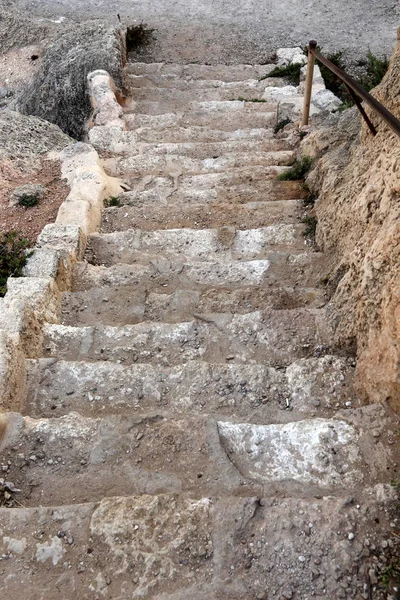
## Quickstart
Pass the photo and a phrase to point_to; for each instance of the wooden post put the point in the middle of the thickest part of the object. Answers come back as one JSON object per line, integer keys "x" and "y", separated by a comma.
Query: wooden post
{"x": 309, "y": 80}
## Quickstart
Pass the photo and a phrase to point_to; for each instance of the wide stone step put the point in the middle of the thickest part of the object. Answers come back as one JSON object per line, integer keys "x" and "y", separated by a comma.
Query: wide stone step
{"x": 199, "y": 134}
{"x": 154, "y": 116}
{"x": 177, "y": 165}
{"x": 153, "y": 273}
{"x": 82, "y": 459}
{"x": 247, "y": 393}
{"x": 183, "y": 95}
{"x": 223, "y": 244}
{"x": 152, "y": 81}
{"x": 201, "y": 216}
{"x": 208, "y": 108}
{"x": 177, "y": 72}
{"x": 160, "y": 300}
{"x": 202, "y": 548}
{"x": 250, "y": 184}
{"x": 204, "y": 150}
{"x": 275, "y": 338}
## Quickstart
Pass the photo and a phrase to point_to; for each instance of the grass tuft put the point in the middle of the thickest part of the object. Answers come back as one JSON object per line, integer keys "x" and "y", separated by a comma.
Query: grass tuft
{"x": 281, "y": 124}
{"x": 298, "y": 170}
{"x": 290, "y": 72}
{"x": 112, "y": 201}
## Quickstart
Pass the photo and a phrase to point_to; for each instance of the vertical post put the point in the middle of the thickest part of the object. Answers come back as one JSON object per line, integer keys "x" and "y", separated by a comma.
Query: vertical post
{"x": 309, "y": 79}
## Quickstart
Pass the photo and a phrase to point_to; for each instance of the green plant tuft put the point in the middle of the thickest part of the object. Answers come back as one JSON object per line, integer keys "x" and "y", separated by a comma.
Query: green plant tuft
{"x": 310, "y": 198}
{"x": 290, "y": 72}
{"x": 311, "y": 226}
{"x": 375, "y": 70}
{"x": 390, "y": 576}
{"x": 112, "y": 201}
{"x": 281, "y": 124}
{"x": 13, "y": 256}
{"x": 138, "y": 36}
{"x": 241, "y": 99}
{"x": 28, "y": 200}
{"x": 298, "y": 170}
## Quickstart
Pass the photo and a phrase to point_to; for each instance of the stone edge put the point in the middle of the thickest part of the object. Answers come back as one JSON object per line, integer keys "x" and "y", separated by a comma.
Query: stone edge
{"x": 35, "y": 299}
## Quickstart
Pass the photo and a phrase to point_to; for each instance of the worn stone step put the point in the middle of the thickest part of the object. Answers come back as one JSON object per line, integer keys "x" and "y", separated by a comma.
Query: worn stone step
{"x": 178, "y": 72}
{"x": 199, "y": 134}
{"x": 223, "y": 244}
{"x": 177, "y": 165}
{"x": 245, "y": 393}
{"x": 201, "y": 216}
{"x": 82, "y": 459}
{"x": 161, "y": 300}
{"x": 202, "y": 548}
{"x": 154, "y": 273}
{"x": 249, "y": 184}
{"x": 196, "y": 108}
{"x": 237, "y": 87}
{"x": 184, "y": 95}
{"x": 232, "y": 120}
{"x": 203, "y": 150}
{"x": 275, "y": 338}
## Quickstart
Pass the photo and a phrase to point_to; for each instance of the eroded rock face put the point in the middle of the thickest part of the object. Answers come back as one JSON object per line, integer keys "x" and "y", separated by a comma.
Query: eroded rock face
{"x": 358, "y": 214}
{"x": 59, "y": 91}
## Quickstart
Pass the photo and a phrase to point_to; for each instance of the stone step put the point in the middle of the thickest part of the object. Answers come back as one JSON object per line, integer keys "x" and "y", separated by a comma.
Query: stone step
{"x": 184, "y": 95}
{"x": 177, "y": 72}
{"x": 157, "y": 273}
{"x": 76, "y": 459}
{"x": 198, "y": 134}
{"x": 170, "y": 546}
{"x": 250, "y": 184}
{"x": 207, "y": 108}
{"x": 175, "y": 164}
{"x": 245, "y": 393}
{"x": 251, "y": 215}
{"x": 223, "y": 244}
{"x": 153, "y": 81}
{"x": 204, "y": 150}
{"x": 232, "y": 120}
{"x": 275, "y": 338}
{"x": 160, "y": 300}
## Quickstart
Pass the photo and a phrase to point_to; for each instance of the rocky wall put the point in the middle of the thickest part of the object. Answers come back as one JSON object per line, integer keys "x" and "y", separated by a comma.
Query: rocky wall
{"x": 357, "y": 181}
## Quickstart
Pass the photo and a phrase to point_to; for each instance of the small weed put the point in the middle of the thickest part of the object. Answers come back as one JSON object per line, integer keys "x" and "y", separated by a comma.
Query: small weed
{"x": 290, "y": 72}
{"x": 396, "y": 484}
{"x": 251, "y": 99}
{"x": 112, "y": 201}
{"x": 298, "y": 171}
{"x": 138, "y": 36}
{"x": 281, "y": 124}
{"x": 13, "y": 257}
{"x": 390, "y": 576}
{"x": 310, "y": 198}
{"x": 28, "y": 200}
{"x": 311, "y": 226}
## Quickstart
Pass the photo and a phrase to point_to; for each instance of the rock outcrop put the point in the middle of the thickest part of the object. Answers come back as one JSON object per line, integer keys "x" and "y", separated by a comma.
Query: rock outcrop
{"x": 358, "y": 210}
{"x": 59, "y": 90}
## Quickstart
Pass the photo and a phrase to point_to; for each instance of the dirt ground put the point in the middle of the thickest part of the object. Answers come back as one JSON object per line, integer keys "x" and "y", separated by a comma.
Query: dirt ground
{"x": 30, "y": 221}
{"x": 241, "y": 31}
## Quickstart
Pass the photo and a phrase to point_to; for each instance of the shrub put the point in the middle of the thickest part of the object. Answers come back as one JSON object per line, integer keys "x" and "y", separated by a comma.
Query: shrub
{"x": 28, "y": 200}
{"x": 298, "y": 170}
{"x": 13, "y": 257}
{"x": 138, "y": 36}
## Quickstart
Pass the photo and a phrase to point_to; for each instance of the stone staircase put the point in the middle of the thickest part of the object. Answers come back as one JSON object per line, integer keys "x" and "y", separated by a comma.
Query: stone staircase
{"x": 188, "y": 430}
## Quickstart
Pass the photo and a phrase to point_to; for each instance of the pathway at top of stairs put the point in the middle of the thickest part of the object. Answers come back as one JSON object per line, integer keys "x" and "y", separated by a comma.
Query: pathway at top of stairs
{"x": 188, "y": 430}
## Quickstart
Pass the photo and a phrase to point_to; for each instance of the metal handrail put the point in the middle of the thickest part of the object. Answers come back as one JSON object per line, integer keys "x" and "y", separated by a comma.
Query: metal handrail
{"x": 354, "y": 88}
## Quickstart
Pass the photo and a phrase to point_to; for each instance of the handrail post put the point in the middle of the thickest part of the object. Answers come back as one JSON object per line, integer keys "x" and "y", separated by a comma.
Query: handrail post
{"x": 309, "y": 80}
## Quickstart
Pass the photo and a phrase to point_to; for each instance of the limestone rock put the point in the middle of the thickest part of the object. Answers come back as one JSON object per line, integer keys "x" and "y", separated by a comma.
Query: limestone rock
{"x": 59, "y": 91}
